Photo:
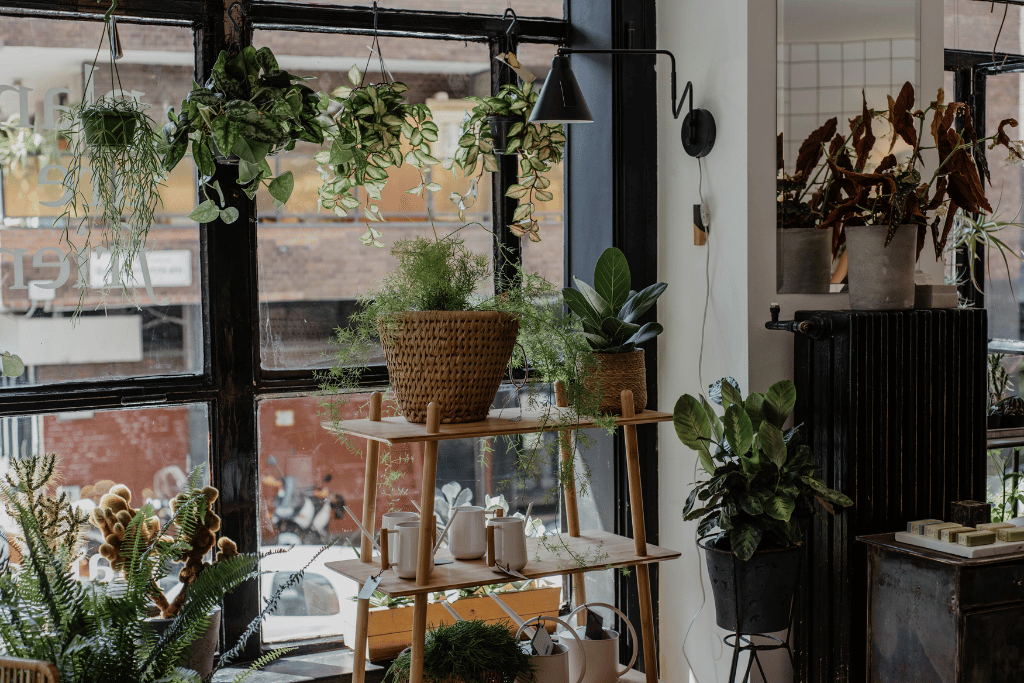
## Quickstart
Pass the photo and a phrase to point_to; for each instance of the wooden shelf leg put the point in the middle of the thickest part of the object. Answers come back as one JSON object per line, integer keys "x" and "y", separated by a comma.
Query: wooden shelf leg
{"x": 424, "y": 560}
{"x": 643, "y": 577}
{"x": 366, "y": 548}
{"x": 572, "y": 513}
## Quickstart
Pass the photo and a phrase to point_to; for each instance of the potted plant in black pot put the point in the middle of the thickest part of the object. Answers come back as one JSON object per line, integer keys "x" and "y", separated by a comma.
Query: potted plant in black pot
{"x": 609, "y": 313}
{"x": 760, "y": 494}
{"x": 501, "y": 125}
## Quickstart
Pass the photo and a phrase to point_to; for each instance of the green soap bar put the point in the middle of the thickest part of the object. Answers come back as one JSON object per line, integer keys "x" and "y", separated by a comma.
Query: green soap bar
{"x": 992, "y": 526}
{"x": 950, "y": 535}
{"x": 932, "y": 530}
{"x": 915, "y": 527}
{"x": 1014, "y": 533}
{"x": 977, "y": 538}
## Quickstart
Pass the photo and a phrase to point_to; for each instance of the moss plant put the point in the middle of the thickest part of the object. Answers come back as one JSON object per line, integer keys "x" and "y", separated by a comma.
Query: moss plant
{"x": 468, "y": 652}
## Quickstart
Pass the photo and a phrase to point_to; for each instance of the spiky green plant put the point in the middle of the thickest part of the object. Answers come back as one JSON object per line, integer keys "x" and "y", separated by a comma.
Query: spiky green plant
{"x": 470, "y": 652}
{"x": 29, "y": 482}
{"x": 91, "y": 633}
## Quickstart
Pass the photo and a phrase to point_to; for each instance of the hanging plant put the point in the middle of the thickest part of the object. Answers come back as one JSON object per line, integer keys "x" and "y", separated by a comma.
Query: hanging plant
{"x": 114, "y": 174}
{"x": 372, "y": 126}
{"x": 506, "y": 118}
{"x": 248, "y": 110}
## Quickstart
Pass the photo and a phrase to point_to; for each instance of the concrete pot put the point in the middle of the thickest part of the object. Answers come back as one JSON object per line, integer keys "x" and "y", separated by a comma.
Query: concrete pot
{"x": 202, "y": 651}
{"x": 881, "y": 277}
{"x": 804, "y": 260}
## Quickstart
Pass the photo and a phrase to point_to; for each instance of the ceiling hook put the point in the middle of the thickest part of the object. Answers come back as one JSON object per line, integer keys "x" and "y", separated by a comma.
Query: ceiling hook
{"x": 236, "y": 25}
{"x": 512, "y": 29}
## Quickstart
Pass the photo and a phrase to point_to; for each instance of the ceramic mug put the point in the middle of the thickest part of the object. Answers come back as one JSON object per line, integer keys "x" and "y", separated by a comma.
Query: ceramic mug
{"x": 408, "y": 550}
{"x": 467, "y": 538}
{"x": 389, "y": 521}
{"x": 552, "y": 668}
{"x": 509, "y": 542}
{"x": 598, "y": 658}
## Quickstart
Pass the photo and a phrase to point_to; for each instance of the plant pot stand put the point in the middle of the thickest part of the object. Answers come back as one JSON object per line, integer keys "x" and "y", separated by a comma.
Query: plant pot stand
{"x": 619, "y": 551}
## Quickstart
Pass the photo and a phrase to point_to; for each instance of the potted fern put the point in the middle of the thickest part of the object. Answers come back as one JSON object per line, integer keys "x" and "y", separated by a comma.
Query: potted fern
{"x": 373, "y": 130}
{"x": 609, "y": 312}
{"x": 101, "y": 631}
{"x": 248, "y": 110}
{"x": 468, "y": 652}
{"x": 760, "y": 494}
{"x": 500, "y": 125}
{"x": 114, "y": 174}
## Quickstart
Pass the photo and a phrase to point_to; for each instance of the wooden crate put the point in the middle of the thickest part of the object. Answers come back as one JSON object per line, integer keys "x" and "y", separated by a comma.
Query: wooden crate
{"x": 389, "y": 631}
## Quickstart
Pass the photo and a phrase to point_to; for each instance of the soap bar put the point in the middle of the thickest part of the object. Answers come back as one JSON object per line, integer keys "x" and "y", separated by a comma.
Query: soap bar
{"x": 950, "y": 535}
{"x": 932, "y": 530}
{"x": 915, "y": 527}
{"x": 992, "y": 526}
{"x": 1014, "y": 533}
{"x": 974, "y": 538}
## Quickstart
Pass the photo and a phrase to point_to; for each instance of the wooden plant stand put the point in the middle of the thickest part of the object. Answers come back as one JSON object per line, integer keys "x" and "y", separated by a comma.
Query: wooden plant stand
{"x": 616, "y": 551}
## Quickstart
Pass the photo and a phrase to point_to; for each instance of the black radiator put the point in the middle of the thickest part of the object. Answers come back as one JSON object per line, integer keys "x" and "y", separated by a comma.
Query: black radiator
{"x": 893, "y": 404}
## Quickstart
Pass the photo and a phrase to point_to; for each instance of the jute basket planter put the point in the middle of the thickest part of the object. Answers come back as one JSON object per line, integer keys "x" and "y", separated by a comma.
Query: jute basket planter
{"x": 453, "y": 358}
{"x": 612, "y": 373}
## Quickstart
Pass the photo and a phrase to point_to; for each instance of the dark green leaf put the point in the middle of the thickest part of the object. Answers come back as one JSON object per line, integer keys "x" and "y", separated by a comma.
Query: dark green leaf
{"x": 738, "y": 431}
{"x": 715, "y": 390}
{"x": 646, "y": 333}
{"x": 611, "y": 278}
{"x": 618, "y": 332}
{"x": 730, "y": 395}
{"x": 225, "y": 134}
{"x": 693, "y": 428}
{"x": 597, "y": 302}
{"x": 639, "y": 302}
{"x": 229, "y": 215}
{"x": 772, "y": 443}
{"x": 779, "y": 402}
{"x": 207, "y": 212}
{"x": 780, "y": 508}
{"x": 716, "y": 423}
{"x": 281, "y": 187}
{"x": 744, "y": 541}
{"x": 754, "y": 405}
{"x": 204, "y": 159}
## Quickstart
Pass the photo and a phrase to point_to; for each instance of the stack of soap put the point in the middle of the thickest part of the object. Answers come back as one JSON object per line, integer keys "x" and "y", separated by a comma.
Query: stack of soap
{"x": 932, "y": 530}
{"x": 995, "y": 526}
{"x": 974, "y": 538}
{"x": 1011, "y": 534}
{"x": 917, "y": 527}
{"x": 950, "y": 535}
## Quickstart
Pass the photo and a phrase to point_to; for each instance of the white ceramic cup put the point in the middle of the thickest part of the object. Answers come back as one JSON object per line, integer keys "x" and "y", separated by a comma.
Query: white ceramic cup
{"x": 599, "y": 658}
{"x": 467, "y": 538}
{"x": 389, "y": 521}
{"x": 408, "y": 550}
{"x": 509, "y": 542}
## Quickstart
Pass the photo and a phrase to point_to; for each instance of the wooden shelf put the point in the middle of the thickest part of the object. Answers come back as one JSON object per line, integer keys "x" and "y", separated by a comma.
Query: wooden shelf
{"x": 614, "y": 551}
{"x": 633, "y": 676}
{"x": 500, "y": 422}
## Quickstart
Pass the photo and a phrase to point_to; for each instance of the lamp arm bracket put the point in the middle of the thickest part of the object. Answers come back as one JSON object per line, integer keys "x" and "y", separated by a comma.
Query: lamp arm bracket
{"x": 677, "y": 104}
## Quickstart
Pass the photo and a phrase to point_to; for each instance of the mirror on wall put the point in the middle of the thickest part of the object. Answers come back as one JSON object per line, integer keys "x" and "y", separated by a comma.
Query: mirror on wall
{"x": 829, "y": 53}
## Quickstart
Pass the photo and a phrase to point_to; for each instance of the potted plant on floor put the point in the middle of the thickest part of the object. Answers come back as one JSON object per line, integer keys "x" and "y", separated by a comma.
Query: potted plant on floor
{"x": 101, "y": 631}
{"x": 760, "y": 493}
{"x": 468, "y": 652}
{"x": 500, "y": 125}
{"x": 248, "y": 110}
{"x": 609, "y": 312}
{"x": 885, "y": 211}
{"x": 114, "y": 173}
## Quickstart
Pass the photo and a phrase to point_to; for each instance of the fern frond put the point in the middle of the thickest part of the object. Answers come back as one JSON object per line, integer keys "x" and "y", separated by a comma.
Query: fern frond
{"x": 262, "y": 662}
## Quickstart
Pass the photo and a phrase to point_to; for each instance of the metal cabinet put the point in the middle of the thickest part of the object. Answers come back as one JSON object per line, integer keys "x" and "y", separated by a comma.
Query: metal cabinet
{"x": 937, "y": 618}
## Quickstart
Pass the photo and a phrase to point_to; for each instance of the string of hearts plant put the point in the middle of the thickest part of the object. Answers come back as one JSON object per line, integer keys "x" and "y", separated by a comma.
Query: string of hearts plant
{"x": 370, "y": 129}
{"x": 851, "y": 188}
{"x": 540, "y": 147}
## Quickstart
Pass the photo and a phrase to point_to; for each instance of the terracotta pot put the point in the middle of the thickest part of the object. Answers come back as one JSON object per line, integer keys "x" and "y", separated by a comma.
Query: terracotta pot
{"x": 611, "y": 373}
{"x": 881, "y": 277}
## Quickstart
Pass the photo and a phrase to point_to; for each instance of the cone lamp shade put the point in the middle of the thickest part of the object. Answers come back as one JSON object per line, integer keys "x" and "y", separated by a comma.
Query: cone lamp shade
{"x": 561, "y": 100}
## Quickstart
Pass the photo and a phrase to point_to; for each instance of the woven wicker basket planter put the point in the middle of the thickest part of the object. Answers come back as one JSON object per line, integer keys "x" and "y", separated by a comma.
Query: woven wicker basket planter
{"x": 453, "y": 358}
{"x": 614, "y": 372}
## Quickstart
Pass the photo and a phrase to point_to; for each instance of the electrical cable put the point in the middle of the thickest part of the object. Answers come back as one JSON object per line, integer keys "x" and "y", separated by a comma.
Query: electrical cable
{"x": 1006, "y": 8}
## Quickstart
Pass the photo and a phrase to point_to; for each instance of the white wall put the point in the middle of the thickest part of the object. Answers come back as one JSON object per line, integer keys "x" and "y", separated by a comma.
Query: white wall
{"x": 727, "y": 48}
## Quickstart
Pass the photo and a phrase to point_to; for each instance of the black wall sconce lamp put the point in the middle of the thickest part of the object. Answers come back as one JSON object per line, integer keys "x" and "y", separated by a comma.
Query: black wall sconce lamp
{"x": 561, "y": 100}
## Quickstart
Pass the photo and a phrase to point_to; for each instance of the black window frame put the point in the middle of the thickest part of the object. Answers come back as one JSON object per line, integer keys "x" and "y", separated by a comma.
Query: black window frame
{"x": 233, "y": 380}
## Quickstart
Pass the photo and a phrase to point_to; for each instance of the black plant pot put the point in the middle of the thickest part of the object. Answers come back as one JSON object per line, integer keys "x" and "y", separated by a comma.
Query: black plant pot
{"x": 223, "y": 159}
{"x": 499, "y": 130}
{"x": 109, "y": 128}
{"x": 995, "y": 421}
{"x": 753, "y": 596}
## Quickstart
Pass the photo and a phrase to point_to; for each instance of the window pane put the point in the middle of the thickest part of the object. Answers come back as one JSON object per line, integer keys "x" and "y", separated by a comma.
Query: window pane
{"x": 973, "y": 26}
{"x": 312, "y": 266}
{"x": 149, "y": 450}
{"x": 523, "y": 8}
{"x": 307, "y": 475}
{"x": 155, "y": 329}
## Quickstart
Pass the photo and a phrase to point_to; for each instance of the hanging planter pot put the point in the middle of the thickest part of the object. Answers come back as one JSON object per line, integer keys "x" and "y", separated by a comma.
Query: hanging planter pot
{"x": 881, "y": 277}
{"x": 753, "y": 596}
{"x": 456, "y": 359}
{"x": 105, "y": 128}
{"x": 500, "y": 126}
{"x": 611, "y": 373}
{"x": 804, "y": 260}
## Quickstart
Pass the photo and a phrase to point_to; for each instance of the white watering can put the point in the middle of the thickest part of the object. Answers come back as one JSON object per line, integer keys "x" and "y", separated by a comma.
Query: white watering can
{"x": 598, "y": 657}
{"x": 551, "y": 668}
